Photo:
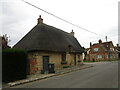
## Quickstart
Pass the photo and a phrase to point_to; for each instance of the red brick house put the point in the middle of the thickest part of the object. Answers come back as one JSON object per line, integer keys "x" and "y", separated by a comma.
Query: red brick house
{"x": 101, "y": 51}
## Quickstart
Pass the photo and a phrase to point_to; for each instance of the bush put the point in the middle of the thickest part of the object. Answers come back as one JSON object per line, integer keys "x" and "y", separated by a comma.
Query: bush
{"x": 66, "y": 66}
{"x": 14, "y": 64}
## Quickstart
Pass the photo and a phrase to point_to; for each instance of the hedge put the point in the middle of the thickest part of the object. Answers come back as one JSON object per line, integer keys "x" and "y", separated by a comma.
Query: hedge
{"x": 14, "y": 65}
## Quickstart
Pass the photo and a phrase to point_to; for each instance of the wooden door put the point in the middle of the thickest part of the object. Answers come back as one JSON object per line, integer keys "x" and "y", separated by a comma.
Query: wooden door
{"x": 45, "y": 63}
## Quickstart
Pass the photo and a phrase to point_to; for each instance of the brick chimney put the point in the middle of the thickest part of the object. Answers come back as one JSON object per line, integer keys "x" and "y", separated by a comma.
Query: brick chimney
{"x": 100, "y": 41}
{"x": 90, "y": 44}
{"x": 40, "y": 20}
{"x": 117, "y": 45}
{"x": 106, "y": 38}
{"x": 72, "y": 33}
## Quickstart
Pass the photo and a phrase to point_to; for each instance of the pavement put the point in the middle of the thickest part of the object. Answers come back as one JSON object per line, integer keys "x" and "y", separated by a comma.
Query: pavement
{"x": 31, "y": 78}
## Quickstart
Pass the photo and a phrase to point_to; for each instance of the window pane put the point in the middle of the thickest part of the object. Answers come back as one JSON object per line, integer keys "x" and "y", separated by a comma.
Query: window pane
{"x": 95, "y": 49}
{"x": 99, "y": 56}
{"x": 63, "y": 57}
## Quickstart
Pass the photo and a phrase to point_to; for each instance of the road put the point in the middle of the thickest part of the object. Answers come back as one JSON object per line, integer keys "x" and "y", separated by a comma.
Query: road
{"x": 102, "y": 75}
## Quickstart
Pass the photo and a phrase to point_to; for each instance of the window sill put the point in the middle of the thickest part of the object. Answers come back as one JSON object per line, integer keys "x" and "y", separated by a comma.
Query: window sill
{"x": 64, "y": 62}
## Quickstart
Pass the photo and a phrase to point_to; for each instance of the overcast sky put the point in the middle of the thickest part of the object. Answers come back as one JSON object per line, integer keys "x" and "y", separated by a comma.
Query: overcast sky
{"x": 100, "y": 16}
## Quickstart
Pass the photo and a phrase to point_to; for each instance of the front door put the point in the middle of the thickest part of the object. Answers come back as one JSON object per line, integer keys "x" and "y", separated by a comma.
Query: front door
{"x": 45, "y": 63}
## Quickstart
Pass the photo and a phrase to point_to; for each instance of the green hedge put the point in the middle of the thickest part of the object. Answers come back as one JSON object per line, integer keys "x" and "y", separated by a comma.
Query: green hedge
{"x": 66, "y": 66}
{"x": 14, "y": 65}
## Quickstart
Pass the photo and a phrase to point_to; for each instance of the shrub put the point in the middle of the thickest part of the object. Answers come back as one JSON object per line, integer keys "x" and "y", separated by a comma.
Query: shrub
{"x": 14, "y": 64}
{"x": 66, "y": 66}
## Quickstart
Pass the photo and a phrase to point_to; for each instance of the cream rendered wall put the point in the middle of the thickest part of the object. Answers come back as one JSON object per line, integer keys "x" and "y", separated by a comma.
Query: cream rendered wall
{"x": 70, "y": 59}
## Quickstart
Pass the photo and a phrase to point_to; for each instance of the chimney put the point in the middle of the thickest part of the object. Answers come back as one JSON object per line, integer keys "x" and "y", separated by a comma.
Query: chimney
{"x": 40, "y": 20}
{"x": 117, "y": 45}
{"x": 100, "y": 41}
{"x": 90, "y": 44}
{"x": 72, "y": 33}
{"x": 106, "y": 38}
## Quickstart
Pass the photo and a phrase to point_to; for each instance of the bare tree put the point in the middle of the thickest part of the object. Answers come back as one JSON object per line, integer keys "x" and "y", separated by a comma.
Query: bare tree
{"x": 5, "y": 41}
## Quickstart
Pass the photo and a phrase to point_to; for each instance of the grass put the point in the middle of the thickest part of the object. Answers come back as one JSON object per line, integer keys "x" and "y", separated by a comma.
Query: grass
{"x": 90, "y": 61}
{"x": 101, "y": 61}
{"x": 112, "y": 60}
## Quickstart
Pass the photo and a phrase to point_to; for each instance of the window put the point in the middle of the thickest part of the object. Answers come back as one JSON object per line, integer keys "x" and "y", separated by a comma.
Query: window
{"x": 63, "y": 59}
{"x": 95, "y": 49}
{"x": 107, "y": 56}
{"x": 111, "y": 49}
{"x": 78, "y": 56}
{"x": 107, "y": 45}
{"x": 70, "y": 48}
{"x": 99, "y": 56}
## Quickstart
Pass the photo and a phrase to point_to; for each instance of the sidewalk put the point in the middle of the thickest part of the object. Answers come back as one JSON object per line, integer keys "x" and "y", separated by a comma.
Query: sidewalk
{"x": 32, "y": 78}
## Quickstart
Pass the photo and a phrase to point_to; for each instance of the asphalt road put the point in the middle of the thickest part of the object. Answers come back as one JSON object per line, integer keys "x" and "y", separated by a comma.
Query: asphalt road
{"x": 102, "y": 75}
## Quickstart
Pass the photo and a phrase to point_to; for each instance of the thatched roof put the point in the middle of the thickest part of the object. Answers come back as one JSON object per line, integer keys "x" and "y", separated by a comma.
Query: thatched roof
{"x": 47, "y": 38}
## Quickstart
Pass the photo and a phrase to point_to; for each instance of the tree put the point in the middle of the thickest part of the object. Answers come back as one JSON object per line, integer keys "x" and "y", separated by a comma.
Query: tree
{"x": 5, "y": 41}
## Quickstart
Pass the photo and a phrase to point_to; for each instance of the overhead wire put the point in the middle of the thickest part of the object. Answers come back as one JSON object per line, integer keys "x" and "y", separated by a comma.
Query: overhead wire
{"x": 62, "y": 19}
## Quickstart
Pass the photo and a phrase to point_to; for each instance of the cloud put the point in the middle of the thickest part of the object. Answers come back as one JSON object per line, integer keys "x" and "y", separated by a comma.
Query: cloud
{"x": 18, "y": 18}
{"x": 15, "y": 22}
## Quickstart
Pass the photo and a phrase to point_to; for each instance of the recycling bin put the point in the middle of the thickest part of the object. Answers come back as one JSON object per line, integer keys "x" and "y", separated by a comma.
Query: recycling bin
{"x": 51, "y": 68}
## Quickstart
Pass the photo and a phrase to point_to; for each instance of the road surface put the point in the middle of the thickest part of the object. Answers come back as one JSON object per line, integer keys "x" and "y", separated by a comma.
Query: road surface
{"x": 102, "y": 75}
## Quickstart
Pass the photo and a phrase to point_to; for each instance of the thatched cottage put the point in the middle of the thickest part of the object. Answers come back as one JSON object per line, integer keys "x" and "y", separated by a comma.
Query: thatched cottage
{"x": 46, "y": 44}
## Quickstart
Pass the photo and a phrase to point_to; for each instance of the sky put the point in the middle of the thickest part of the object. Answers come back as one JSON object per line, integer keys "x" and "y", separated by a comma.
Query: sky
{"x": 99, "y": 16}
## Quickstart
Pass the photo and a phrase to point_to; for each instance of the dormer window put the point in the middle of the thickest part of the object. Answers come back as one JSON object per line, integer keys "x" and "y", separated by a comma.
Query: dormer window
{"x": 107, "y": 45}
{"x": 95, "y": 49}
{"x": 70, "y": 48}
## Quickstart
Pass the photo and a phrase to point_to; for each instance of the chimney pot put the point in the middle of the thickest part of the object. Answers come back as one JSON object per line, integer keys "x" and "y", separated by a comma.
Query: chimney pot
{"x": 72, "y": 33}
{"x": 100, "y": 41}
{"x": 40, "y": 20}
{"x": 106, "y": 38}
{"x": 90, "y": 44}
{"x": 117, "y": 45}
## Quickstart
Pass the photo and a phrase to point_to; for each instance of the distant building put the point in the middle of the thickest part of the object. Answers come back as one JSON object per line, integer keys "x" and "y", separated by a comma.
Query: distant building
{"x": 101, "y": 51}
{"x": 46, "y": 44}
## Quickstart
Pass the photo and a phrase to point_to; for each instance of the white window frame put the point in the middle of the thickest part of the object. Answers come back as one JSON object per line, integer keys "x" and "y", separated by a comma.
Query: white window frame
{"x": 111, "y": 49}
{"x": 99, "y": 56}
{"x": 95, "y": 49}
